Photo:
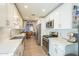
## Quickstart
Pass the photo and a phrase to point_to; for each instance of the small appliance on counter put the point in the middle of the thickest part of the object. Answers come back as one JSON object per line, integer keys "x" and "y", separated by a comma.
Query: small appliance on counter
{"x": 72, "y": 38}
{"x": 53, "y": 34}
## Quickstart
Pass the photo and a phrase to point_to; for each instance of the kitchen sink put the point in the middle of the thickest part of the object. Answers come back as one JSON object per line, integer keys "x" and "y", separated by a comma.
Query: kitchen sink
{"x": 18, "y": 37}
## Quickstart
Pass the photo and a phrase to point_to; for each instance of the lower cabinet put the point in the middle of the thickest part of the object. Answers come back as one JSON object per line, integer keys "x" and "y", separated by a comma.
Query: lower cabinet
{"x": 20, "y": 50}
{"x": 58, "y": 48}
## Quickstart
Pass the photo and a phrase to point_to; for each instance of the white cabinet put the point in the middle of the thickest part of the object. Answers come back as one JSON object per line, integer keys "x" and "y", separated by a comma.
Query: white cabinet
{"x": 13, "y": 16}
{"x": 58, "y": 47}
{"x": 9, "y": 16}
{"x": 3, "y": 15}
{"x": 20, "y": 49}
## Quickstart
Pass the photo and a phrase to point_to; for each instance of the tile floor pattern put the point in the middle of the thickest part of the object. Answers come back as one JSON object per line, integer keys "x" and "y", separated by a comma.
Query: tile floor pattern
{"x": 32, "y": 49}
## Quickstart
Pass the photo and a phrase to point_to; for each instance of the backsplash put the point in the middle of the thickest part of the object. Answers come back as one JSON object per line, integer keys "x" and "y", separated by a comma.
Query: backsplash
{"x": 14, "y": 32}
{"x": 62, "y": 32}
{"x": 4, "y": 33}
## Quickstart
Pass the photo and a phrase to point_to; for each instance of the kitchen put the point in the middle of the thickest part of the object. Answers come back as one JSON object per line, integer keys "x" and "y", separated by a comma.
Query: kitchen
{"x": 27, "y": 31}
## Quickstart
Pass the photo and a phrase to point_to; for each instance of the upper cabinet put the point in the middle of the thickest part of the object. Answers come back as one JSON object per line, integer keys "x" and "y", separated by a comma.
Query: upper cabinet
{"x": 10, "y": 17}
{"x": 13, "y": 17}
{"x": 15, "y": 20}
{"x": 62, "y": 17}
{"x": 3, "y": 15}
{"x": 64, "y": 20}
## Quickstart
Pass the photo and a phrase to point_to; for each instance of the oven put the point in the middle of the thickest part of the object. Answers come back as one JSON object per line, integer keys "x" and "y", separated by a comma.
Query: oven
{"x": 45, "y": 43}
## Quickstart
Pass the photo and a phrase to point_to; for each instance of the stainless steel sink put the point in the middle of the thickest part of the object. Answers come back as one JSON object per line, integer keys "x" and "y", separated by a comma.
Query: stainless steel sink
{"x": 18, "y": 37}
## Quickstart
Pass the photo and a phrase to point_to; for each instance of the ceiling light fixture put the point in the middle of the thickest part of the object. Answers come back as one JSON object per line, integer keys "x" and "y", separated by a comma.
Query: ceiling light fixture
{"x": 43, "y": 10}
{"x": 27, "y": 17}
{"x": 25, "y": 6}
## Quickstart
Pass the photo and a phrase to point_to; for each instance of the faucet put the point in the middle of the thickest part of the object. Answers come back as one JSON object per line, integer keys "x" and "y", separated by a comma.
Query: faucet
{"x": 11, "y": 32}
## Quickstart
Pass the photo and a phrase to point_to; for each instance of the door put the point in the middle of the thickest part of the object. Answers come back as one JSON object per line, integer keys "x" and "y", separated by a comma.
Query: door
{"x": 39, "y": 34}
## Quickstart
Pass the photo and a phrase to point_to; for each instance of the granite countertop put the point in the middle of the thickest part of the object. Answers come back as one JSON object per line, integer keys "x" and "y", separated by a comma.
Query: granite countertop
{"x": 60, "y": 41}
{"x": 9, "y": 47}
{"x": 61, "y": 47}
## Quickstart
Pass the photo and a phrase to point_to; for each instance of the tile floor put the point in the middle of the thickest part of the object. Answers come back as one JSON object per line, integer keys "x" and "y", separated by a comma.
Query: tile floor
{"x": 32, "y": 49}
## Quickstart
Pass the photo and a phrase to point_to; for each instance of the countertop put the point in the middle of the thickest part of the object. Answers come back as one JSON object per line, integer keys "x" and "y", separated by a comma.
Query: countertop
{"x": 8, "y": 47}
{"x": 61, "y": 41}
{"x": 61, "y": 47}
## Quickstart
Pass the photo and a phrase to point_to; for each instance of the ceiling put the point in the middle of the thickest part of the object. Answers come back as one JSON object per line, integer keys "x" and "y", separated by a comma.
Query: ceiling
{"x": 32, "y": 11}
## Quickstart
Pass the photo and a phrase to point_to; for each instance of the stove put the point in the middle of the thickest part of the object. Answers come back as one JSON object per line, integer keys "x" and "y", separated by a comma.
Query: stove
{"x": 45, "y": 42}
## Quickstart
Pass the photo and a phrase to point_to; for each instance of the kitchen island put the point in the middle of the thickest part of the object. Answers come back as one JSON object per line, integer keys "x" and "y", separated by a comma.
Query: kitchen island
{"x": 61, "y": 47}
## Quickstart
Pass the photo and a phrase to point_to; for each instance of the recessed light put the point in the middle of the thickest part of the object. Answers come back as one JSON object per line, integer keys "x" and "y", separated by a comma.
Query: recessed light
{"x": 43, "y": 10}
{"x": 27, "y": 17}
{"x": 25, "y": 6}
{"x": 15, "y": 16}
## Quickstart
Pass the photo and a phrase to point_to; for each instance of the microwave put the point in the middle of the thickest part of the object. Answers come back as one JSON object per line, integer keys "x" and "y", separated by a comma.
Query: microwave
{"x": 50, "y": 24}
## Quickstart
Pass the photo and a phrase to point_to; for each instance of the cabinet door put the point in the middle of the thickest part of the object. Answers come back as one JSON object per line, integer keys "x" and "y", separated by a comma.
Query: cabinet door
{"x": 13, "y": 16}
{"x": 60, "y": 50}
{"x": 16, "y": 53}
{"x": 21, "y": 50}
{"x": 3, "y": 14}
{"x": 52, "y": 48}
